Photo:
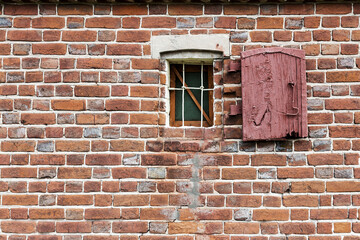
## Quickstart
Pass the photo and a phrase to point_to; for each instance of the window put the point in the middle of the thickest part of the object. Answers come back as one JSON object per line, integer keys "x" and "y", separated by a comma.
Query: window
{"x": 191, "y": 95}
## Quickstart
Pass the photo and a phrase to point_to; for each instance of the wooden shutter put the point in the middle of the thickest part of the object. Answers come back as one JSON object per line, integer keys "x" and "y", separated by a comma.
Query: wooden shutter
{"x": 273, "y": 94}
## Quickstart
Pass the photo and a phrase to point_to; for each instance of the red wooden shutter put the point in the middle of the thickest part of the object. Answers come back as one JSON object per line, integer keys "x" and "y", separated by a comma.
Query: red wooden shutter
{"x": 273, "y": 94}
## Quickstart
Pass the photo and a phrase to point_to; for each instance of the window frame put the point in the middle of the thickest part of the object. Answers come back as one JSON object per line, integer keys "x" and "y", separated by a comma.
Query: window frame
{"x": 209, "y": 88}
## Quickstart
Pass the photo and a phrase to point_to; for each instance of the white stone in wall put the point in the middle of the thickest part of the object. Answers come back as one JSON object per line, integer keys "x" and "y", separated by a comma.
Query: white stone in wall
{"x": 217, "y": 43}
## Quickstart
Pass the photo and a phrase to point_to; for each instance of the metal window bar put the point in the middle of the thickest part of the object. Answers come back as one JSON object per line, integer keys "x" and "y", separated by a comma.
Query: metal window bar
{"x": 183, "y": 97}
{"x": 184, "y": 87}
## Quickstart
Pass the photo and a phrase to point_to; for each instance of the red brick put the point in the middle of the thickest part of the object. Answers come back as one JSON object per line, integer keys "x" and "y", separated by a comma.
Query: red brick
{"x": 302, "y": 145}
{"x": 344, "y": 131}
{"x": 158, "y": 22}
{"x": 21, "y": 9}
{"x": 22, "y": 200}
{"x": 72, "y": 146}
{"x": 302, "y": 36}
{"x": 296, "y": 9}
{"x": 325, "y": 159}
{"x": 324, "y": 214}
{"x": 131, "y": 22}
{"x": 349, "y": 49}
{"x": 330, "y": 22}
{"x": 130, "y": 10}
{"x": 48, "y": 22}
{"x": 76, "y": 173}
{"x": 19, "y": 172}
{"x": 102, "y": 213}
{"x": 245, "y": 23}
{"x": 75, "y": 9}
{"x": 124, "y": 49}
{"x": 22, "y": 227}
{"x": 243, "y": 201}
{"x": 21, "y": 35}
{"x": 91, "y": 63}
{"x": 261, "y": 36}
{"x": 133, "y": 36}
{"x": 5, "y": 49}
{"x": 179, "y": 173}
{"x": 342, "y": 104}
{"x": 68, "y": 105}
{"x": 270, "y": 23}
{"x": 322, "y": 35}
{"x": 131, "y": 200}
{"x": 240, "y": 9}
{"x": 103, "y": 159}
{"x": 312, "y": 22}
{"x": 38, "y": 118}
{"x": 327, "y": 63}
{"x": 342, "y": 227}
{"x": 72, "y": 200}
{"x": 238, "y": 173}
{"x": 225, "y": 22}
{"x": 349, "y": 21}
{"x": 342, "y": 8}
{"x": 282, "y": 36}
{"x": 92, "y": 91}
{"x": 79, "y": 36}
{"x": 122, "y": 105}
{"x": 268, "y": 160}
{"x": 308, "y": 187}
{"x": 22, "y": 22}
{"x": 73, "y": 227}
{"x": 47, "y": 159}
{"x": 129, "y": 172}
{"x": 311, "y": 49}
{"x": 300, "y": 201}
{"x": 46, "y": 213}
{"x": 270, "y": 215}
{"x": 187, "y": 228}
{"x": 145, "y": 63}
{"x": 158, "y": 214}
{"x": 103, "y": 22}
{"x": 241, "y": 228}
{"x": 341, "y": 35}
{"x": 185, "y": 9}
{"x": 343, "y": 186}
{"x": 18, "y": 146}
{"x": 6, "y": 104}
{"x": 297, "y": 228}
{"x": 130, "y": 227}
{"x": 295, "y": 172}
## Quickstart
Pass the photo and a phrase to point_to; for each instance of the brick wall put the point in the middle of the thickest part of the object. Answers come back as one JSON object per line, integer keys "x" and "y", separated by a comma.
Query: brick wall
{"x": 86, "y": 148}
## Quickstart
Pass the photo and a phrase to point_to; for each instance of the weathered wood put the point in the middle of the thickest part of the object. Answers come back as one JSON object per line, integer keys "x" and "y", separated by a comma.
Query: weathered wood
{"x": 273, "y": 94}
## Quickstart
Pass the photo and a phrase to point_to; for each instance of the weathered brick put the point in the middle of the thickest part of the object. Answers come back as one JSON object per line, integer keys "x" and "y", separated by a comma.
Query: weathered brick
{"x": 130, "y": 227}
{"x": 269, "y": 23}
{"x": 68, "y": 105}
{"x": 48, "y": 22}
{"x": 270, "y": 215}
{"x": 38, "y": 118}
{"x": 18, "y": 227}
{"x": 241, "y": 228}
{"x": 73, "y": 227}
{"x": 79, "y": 36}
{"x": 322, "y": 214}
{"x": 91, "y": 91}
{"x": 238, "y": 173}
{"x": 297, "y": 228}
